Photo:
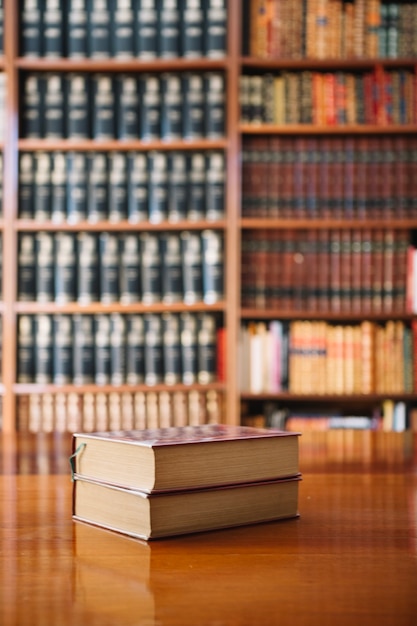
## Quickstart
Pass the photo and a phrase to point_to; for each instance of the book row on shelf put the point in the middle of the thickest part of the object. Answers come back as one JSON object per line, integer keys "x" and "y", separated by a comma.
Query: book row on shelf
{"x": 387, "y": 416}
{"x": 331, "y": 270}
{"x": 325, "y": 98}
{"x": 329, "y": 177}
{"x": 335, "y": 29}
{"x": 123, "y": 29}
{"x": 102, "y": 106}
{"x": 117, "y": 349}
{"x": 121, "y": 267}
{"x": 135, "y": 186}
{"x": 88, "y": 412}
{"x": 320, "y": 358}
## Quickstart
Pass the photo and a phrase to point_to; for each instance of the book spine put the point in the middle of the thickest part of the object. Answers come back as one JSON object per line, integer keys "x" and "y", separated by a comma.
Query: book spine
{"x": 53, "y": 29}
{"x": 25, "y": 349}
{"x": 109, "y": 267}
{"x": 146, "y": 30}
{"x": 31, "y": 29}
{"x": 103, "y": 107}
{"x": 43, "y": 349}
{"x": 150, "y": 111}
{"x": 26, "y": 288}
{"x": 33, "y": 107}
{"x": 197, "y": 187}
{"x": 26, "y": 186}
{"x": 215, "y": 186}
{"x": 158, "y": 187}
{"x": 44, "y": 267}
{"x": 177, "y": 187}
{"x": 169, "y": 29}
{"x": 207, "y": 356}
{"x": 135, "y": 351}
{"x": 42, "y": 188}
{"x": 128, "y": 122}
{"x": 189, "y": 348}
{"x": 192, "y": 29}
{"x": 171, "y": 106}
{"x": 153, "y": 349}
{"x": 77, "y": 30}
{"x": 129, "y": 273}
{"x": 214, "y": 105}
{"x": 54, "y": 109}
{"x": 77, "y": 187}
{"x": 172, "y": 287}
{"x": 102, "y": 349}
{"x": 150, "y": 268}
{"x": 192, "y": 267}
{"x": 216, "y": 29}
{"x": 117, "y": 197}
{"x": 193, "y": 106}
{"x": 83, "y": 349}
{"x": 65, "y": 268}
{"x": 88, "y": 283}
{"x": 212, "y": 266}
{"x": 123, "y": 29}
{"x": 97, "y": 187}
{"x": 62, "y": 349}
{"x": 99, "y": 32}
{"x": 78, "y": 115}
{"x": 59, "y": 187}
{"x": 117, "y": 348}
{"x": 171, "y": 342}
{"x": 137, "y": 188}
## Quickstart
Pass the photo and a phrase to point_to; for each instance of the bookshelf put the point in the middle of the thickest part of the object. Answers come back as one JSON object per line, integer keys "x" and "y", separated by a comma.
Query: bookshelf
{"x": 238, "y": 226}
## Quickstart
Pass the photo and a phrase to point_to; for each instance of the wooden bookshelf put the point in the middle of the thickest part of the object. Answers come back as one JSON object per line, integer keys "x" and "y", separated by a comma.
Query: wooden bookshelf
{"x": 235, "y": 225}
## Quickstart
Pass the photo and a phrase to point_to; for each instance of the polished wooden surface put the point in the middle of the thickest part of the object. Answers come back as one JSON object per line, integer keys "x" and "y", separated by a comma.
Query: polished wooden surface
{"x": 351, "y": 558}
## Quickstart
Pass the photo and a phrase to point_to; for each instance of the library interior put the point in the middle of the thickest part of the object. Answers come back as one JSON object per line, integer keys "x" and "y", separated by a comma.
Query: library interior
{"x": 208, "y": 312}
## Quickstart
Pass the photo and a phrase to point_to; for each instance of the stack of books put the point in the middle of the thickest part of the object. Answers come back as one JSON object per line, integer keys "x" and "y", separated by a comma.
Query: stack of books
{"x": 172, "y": 481}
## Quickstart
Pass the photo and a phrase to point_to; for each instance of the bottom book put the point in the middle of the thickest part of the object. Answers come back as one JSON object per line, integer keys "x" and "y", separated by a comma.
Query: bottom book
{"x": 175, "y": 513}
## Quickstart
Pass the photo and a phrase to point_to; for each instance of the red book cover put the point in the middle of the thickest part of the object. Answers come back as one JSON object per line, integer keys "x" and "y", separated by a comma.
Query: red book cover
{"x": 288, "y": 237}
{"x": 356, "y": 269}
{"x": 346, "y": 271}
{"x": 361, "y": 177}
{"x": 400, "y": 270}
{"x": 335, "y": 270}
{"x": 275, "y": 177}
{"x": 330, "y": 99}
{"x": 377, "y": 270}
{"x": 324, "y": 186}
{"x": 388, "y": 271}
{"x": 287, "y": 178}
{"x": 323, "y": 273}
{"x": 366, "y": 270}
{"x": 311, "y": 274}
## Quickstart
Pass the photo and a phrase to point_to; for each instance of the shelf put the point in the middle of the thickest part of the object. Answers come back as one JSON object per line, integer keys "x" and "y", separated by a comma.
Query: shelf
{"x": 87, "y": 145}
{"x": 310, "y": 129}
{"x": 35, "y": 226}
{"x": 346, "y": 399}
{"x": 279, "y": 314}
{"x": 253, "y": 223}
{"x": 119, "y": 65}
{"x": 35, "y": 308}
{"x": 326, "y": 64}
{"x": 21, "y": 389}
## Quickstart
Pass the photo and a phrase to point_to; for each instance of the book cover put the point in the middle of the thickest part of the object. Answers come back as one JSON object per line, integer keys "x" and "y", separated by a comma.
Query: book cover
{"x": 88, "y": 276}
{"x": 129, "y": 271}
{"x": 196, "y": 187}
{"x": 212, "y": 266}
{"x": 158, "y": 187}
{"x": 135, "y": 351}
{"x": 45, "y": 267}
{"x": 97, "y": 187}
{"x": 59, "y": 187}
{"x": 169, "y": 29}
{"x": 192, "y": 29}
{"x": 146, "y": 29}
{"x": 117, "y": 187}
{"x": 207, "y": 348}
{"x": 117, "y": 349}
{"x": 128, "y": 103}
{"x": 52, "y": 30}
{"x": 33, "y": 107}
{"x": 137, "y": 187}
{"x": 154, "y": 516}
{"x": 83, "y": 349}
{"x": 122, "y": 19}
{"x": 109, "y": 267}
{"x": 103, "y": 107}
{"x": 193, "y": 109}
{"x": 78, "y": 106}
{"x": 171, "y": 106}
{"x": 160, "y": 459}
{"x": 192, "y": 273}
{"x": 43, "y": 353}
{"x": 177, "y": 187}
{"x": 102, "y": 349}
{"x": 31, "y": 29}
{"x": 171, "y": 275}
{"x": 62, "y": 349}
{"x": 77, "y": 29}
{"x": 99, "y": 29}
{"x": 171, "y": 341}
{"x": 65, "y": 268}
{"x": 26, "y": 286}
{"x": 189, "y": 348}
{"x": 151, "y": 268}
{"x": 54, "y": 113}
{"x": 154, "y": 359}
{"x": 26, "y": 186}
{"x": 25, "y": 349}
{"x": 215, "y": 186}
{"x": 42, "y": 188}
{"x": 215, "y": 30}
{"x": 76, "y": 187}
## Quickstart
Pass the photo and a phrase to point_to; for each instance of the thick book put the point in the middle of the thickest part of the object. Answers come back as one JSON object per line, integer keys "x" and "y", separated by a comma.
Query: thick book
{"x": 188, "y": 457}
{"x": 162, "y": 515}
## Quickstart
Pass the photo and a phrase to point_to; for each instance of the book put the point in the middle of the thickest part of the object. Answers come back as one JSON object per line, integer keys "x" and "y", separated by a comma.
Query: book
{"x": 117, "y": 349}
{"x": 25, "y": 349}
{"x": 215, "y": 29}
{"x": 102, "y": 359}
{"x": 76, "y": 187}
{"x": 26, "y": 186}
{"x": 171, "y": 107}
{"x": 103, "y": 107}
{"x": 42, "y": 187}
{"x": 59, "y": 187}
{"x": 97, "y": 187}
{"x": 99, "y": 33}
{"x": 183, "y": 458}
{"x": 26, "y": 285}
{"x": 129, "y": 271}
{"x": 83, "y": 349}
{"x": 65, "y": 268}
{"x": 45, "y": 267}
{"x": 78, "y": 106}
{"x": 62, "y": 349}
{"x": 123, "y": 29}
{"x": 77, "y": 31}
{"x": 137, "y": 187}
{"x": 154, "y": 358}
{"x": 117, "y": 189}
{"x": 52, "y": 29}
{"x": 192, "y": 29}
{"x": 155, "y": 516}
{"x": 43, "y": 352}
{"x": 128, "y": 106}
{"x": 169, "y": 29}
{"x": 146, "y": 29}
{"x": 109, "y": 267}
{"x": 31, "y": 29}
{"x": 54, "y": 114}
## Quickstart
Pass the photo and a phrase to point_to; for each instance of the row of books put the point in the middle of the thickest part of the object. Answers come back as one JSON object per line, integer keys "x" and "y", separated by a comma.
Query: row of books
{"x": 335, "y": 270}
{"x": 156, "y": 186}
{"x": 319, "y": 358}
{"x": 114, "y": 411}
{"x": 117, "y": 349}
{"x": 113, "y": 267}
{"x": 325, "y": 98}
{"x": 329, "y": 177}
{"x": 336, "y": 29}
{"x": 123, "y": 29}
{"x": 168, "y": 106}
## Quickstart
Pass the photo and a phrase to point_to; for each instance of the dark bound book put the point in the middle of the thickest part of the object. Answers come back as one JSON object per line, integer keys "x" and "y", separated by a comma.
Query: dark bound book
{"x": 78, "y": 103}
{"x": 62, "y": 350}
{"x": 150, "y": 268}
{"x": 44, "y": 363}
{"x": 54, "y": 107}
{"x": 33, "y": 107}
{"x": 88, "y": 276}
{"x": 171, "y": 107}
{"x": 117, "y": 187}
{"x": 150, "y": 111}
{"x": 59, "y": 187}
{"x": 45, "y": 266}
{"x": 169, "y": 29}
{"x": 99, "y": 24}
{"x": 77, "y": 187}
{"x": 129, "y": 273}
{"x": 53, "y": 30}
{"x": 177, "y": 187}
{"x": 197, "y": 187}
{"x": 31, "y": 29}
{"x": 102, "y": 349}
{"x": 42, "y": 187}
{"x": 213, "y": 266}
{"x": 215, "y": 28}
{"x": 158, "y": 187}
{"x": 207, "y": 340}
{"x": 193, "y": 106}
{"x": 172, "y": 285}
{"x": 192, "y": 29}
{"x": 83, "y": 349}
{"x": 103, "y": 107}
{"x": 137, "y": 187}
{"x": 109, "y": 267}
{"x": 65, "y": 268}
{"x": 153, "y": 349}
{"x": 192, "y": 267}
{"x": 123, "y": 29}
{"x": 215, "y": 186}
{"x": 97, "y": 187}
{"x": 171, "y": 339}
{"x": 135, "y": 350}
{"x": 117, "y": 349}
{"x": 215, "y": 105}
{"x": 128, "y": 101}
{"x": 146, "y": 29}
{"x": 25, "y": 349}
{"x": 77, "y": 29}
{"x": 26, "y": 287}
{"x": 26, "y": 185}
{"x": 189, "y": 348}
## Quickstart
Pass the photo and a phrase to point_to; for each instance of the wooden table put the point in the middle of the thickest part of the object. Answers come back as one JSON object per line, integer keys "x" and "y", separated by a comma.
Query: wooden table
{"x": 351, "y": 559}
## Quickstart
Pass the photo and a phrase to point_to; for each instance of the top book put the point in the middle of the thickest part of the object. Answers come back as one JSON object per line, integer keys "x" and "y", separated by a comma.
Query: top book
{"x": 189, "y": 457}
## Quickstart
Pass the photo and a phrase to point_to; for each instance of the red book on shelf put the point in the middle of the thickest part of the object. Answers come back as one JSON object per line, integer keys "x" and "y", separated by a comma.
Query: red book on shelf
{"x": 335, "y": 270}
{"x": 366, "y": 270}
{"x": 356, "y": 269}
{"x": 377, "y": 269}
